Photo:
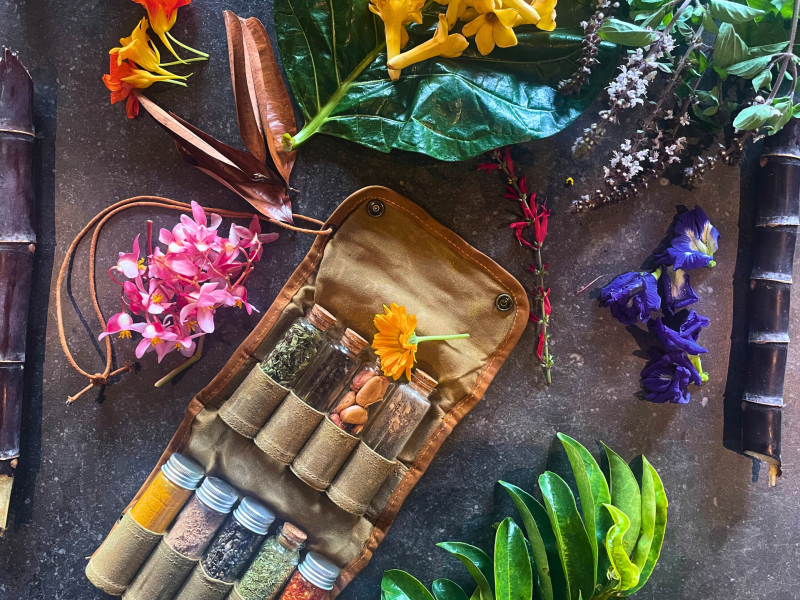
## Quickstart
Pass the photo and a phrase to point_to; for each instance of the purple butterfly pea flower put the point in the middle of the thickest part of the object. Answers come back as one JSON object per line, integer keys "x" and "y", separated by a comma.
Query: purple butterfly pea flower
{"x": 694, "y": 244}
{"x": 632, "y": 297}
{"x": 668, "y": 378}
{"x": 683, "y": 340}
{"x": 676, "y": 291}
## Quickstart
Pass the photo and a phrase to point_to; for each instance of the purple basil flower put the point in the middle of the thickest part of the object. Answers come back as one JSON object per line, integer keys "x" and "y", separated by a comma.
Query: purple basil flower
{"x": 631, "y": 297}
{"x": 683, "y": 340}
{"x": 676, "y": 291}
{"x": 668, "y": 378}
{"x": 694, "y": 244}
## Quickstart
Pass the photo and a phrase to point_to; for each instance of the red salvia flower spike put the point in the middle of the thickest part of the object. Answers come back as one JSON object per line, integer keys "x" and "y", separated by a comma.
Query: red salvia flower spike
{"x": 509, "y": 162}
{"x": 523, "y": 185}
{"x": 546, "y": 298}
{"x": 488, "y": 167}
{"x": 540, "y": 349}
{"x": 533, "y": 318}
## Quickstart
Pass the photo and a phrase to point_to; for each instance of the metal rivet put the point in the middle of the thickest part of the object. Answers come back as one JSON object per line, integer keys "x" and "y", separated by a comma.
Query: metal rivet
{"x": 504, "y": 302}
{"x": 375, "y": 208}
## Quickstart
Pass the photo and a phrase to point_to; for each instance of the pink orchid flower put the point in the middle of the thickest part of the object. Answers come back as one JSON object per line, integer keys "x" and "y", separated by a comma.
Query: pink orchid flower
{"x": 155, "y": 337}
{"x": 202, "y": 305}
{"x": 121, "y": 323}
{"x": 128, "y": 264}
{"x": 239, "y": 293}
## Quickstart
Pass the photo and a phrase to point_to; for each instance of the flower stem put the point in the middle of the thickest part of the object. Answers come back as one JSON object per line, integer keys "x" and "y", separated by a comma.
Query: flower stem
{"x": 431, "y": 338}
{"x": 185, "y": 47}
{"x": 544, "y": 317}
{"x": 198, "y": 353}
{"x": 181, "y": 62}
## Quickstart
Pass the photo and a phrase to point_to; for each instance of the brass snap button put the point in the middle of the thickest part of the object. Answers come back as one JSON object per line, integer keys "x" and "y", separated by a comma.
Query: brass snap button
{"x": 504, "y": 302}
{"x": 375, "y": 208}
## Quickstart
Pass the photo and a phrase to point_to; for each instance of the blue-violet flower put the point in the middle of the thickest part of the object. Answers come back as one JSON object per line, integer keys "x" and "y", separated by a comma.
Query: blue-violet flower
{"x": 668, "y": 378}
{"x": 694, "y": 244}
{"x": 676, "y": 291}
{"x": 632, "y": 296}
{"x": 683, "y": 340}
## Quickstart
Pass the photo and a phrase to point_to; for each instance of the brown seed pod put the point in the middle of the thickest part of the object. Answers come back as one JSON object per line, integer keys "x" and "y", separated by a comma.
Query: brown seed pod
{"x": 336, "y": 420}
{"x": 355, "y": 415}
{"x": 361, "y": 379}
{"x": 346, "y": 402}
{"x": 371, "y": 393}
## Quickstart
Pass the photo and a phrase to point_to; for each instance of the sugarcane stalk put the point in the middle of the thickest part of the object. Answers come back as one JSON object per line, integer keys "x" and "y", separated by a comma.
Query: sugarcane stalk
{"x": 778, "y": 216}
{"x": 17, "y": 245}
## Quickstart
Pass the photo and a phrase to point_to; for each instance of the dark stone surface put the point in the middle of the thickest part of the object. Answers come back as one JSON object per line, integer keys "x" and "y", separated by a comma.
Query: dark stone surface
{"x": 727, "y": 538}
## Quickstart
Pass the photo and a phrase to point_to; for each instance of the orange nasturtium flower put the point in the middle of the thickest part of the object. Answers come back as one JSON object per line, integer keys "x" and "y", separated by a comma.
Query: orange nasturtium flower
{"x": 123, "y": 77}
{"x": 139, "y": 49}
{"x": 162, "y": 15}
{"x": 396, "y": 340}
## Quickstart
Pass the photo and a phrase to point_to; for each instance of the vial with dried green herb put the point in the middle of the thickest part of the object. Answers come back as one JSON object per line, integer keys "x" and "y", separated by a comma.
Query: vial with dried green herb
{"x": 298, "y": 347}
{"x": 273, "y": 565}
{"x": 324, "y": 380}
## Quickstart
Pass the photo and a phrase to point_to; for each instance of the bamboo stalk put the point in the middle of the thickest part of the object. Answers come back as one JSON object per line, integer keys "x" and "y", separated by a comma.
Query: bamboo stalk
{"x": 778, "y": 216}
{"x": 17, "y": 244}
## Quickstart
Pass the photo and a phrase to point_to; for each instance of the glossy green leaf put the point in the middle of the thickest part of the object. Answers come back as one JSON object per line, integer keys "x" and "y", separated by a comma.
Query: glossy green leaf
{"x": 763, "y": 5}
{"x": 762, "y": 80}
{"x": 754, "y": 116}
{"x": 648, "y": 490}
{"x": 544, "y": 549}
{"x": 626, "y": 34}
{"x": 399, "y": 585}
{"x": 731, "y": 12}
{"x": 783, "y": 108}
{"x": 749, "y": 68}
{"x": 622, "y": 569}
{"x": 625, "y": 496}
{"x": 766, "y": 50}
{"x": 444, "y": 589}
{"x": 593, "y": 491}
{"x": 451, "y": 109}
{"x": 513, "y": 577}
{"x": 729, "y": 48}
{"x": 655, "y": 18}
{"x": 708, "y": 23}
{"x": 478, "y": 564}
{"x": 658, "y": 529}
{"x": 574, "y": 548}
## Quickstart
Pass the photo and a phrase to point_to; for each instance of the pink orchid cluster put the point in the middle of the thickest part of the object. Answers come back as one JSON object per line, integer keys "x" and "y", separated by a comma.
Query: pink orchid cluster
{"x": 178, "y": 292}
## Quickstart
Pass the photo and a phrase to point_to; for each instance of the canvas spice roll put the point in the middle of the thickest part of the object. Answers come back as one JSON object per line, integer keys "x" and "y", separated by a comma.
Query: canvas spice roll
{"x": 298, "y": 416}
{"x": 313, "y": 579}
{"x": 273, "y": 565}
{"x": 266, "y": 385}
{"x": 383, "y": 439}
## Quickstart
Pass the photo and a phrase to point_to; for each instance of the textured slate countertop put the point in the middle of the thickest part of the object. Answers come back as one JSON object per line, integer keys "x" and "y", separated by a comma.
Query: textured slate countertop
{"x": 727, "y": 537}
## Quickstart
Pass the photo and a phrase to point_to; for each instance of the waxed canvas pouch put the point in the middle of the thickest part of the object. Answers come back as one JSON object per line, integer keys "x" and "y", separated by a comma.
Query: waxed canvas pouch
{"x": 161, "y": 576}
{"x": 384, "y": 249}
{"x": 252, "y": 403}
{"x": 288, "y": 429}
{"x": 323, "y": 455}
{"x": 200, "y": 586}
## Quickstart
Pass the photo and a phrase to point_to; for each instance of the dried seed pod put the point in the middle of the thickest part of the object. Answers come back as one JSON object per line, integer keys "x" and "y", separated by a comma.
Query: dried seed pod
{"x": 355, "y": 415}
{"x": 336, "y": 420}
{"x": 361, "y": 379}
{"x": 346, "y": 402}
{"x": 385, "y": 383}
{"x": 371, "y": 393}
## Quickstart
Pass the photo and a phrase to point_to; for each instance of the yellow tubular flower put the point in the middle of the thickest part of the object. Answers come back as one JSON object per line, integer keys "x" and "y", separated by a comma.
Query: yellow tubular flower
{"x": 547, "y": 9}
{"x": 141, "y": 50}
{"x": 527, "y": 12}
{"x": 144, "y": 79}
{"x": 491, "y": 27}
{"x": 441, "y": 44}
{"x": 395, "y": 14}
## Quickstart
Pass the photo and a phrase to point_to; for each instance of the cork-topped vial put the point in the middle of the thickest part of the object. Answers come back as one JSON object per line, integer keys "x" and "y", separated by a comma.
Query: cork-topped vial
{"x": 167, "y": 493}
{"x": 361, "y": 400}
{"x": 273, "y": 565}
{"x": 298, "y": 347}
{"x": 313, "y": 579}
{"x": 321, "y": 384}
{"x": 400, "y": 415}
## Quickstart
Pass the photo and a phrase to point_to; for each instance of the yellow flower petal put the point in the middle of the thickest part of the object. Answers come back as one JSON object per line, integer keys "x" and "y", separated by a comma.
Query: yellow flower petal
{"x": 484, "y": 6}
{"x": 506, "y": 16}
{"x": 395, "y": 326}
{"x": 504, "y": 36}
{"x": 472, "y": 27}
{"x": 485, "y": 39}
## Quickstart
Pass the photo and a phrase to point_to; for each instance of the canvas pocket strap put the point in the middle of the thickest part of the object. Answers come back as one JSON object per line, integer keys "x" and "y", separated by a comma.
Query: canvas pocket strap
{"x": 162, "y": 575}
{"x": 323, "y": 455}
{"x": 288, "y": 429}
{"x": 200, "y": 586}
{"x": 359, "y": 480}
{"x": 252, "y": 403}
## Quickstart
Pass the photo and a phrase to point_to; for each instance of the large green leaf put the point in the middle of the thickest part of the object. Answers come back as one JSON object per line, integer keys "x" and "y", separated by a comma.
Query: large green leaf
{"x": 574, "y": 548}
{"x": 622, "y": 569}
{"x": 543, "y": 543}
{"x": 513, "y": 577}
{"x": 642, "y": 549}
{"x": 658, "y": 529}
{"x": 478, "y": 564}
{"x": 399, "y": 585}
{"x": 593, "y": 491}
{"x": 444, "y": 589}
{"x": 625, "y": 495}
{"x": 452, "y": 109}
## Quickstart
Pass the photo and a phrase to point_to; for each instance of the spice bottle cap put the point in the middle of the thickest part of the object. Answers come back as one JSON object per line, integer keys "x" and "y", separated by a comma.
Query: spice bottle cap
{"x": 217, "y": 494}
{"x": 420, "y": 377}
{"x": 319, "y": 570}
{"x": 254, "y": 515}
{"x": 292, "y": 534}
{"x": 182, "y": 471}
{"x": 353, "y": 342}
{"x": 320, "y": 318}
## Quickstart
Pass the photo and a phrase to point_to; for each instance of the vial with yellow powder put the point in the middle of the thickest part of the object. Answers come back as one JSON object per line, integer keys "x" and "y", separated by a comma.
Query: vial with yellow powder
{"x": 167, "y": 493}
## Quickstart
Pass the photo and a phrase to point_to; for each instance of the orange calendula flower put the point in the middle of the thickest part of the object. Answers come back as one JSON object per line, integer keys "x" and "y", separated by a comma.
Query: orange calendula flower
{"x": 396, "y": 340}
{"x": 162, "y": 15}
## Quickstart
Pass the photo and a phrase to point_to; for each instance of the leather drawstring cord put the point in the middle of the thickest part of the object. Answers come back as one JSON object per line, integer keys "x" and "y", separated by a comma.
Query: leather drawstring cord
{"x": 100, "y": 379}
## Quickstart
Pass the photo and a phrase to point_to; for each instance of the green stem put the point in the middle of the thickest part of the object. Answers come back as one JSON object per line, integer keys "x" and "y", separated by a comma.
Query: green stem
{"x": 173, "y": 81}
{"x": 181, "y": 62}
{"x": 185, "y": 47}
{"x": 198, "y": 353}
{"x": 431, "y": 338}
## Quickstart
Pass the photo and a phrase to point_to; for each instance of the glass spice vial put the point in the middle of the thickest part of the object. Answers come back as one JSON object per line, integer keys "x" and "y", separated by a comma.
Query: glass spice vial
{"x": 272, "y": 566}
{"x": 231, "y": 550}
{"x": 201, "y": 517}
{"x": 298, "y": 347}
{"x": 358, "y": 402}
{"x": 313, "y": 579}
{"x": 327, "y": 376}
{"x": 167, "y": 493}
{"x": 392, "y": 427}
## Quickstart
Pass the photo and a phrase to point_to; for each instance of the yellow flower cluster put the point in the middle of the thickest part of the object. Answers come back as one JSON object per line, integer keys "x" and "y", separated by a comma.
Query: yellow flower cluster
{"x": 491, "y": 22}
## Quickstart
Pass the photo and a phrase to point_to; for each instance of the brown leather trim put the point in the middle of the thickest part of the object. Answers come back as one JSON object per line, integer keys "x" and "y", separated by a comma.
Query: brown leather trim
{"x": 293, "y": 285}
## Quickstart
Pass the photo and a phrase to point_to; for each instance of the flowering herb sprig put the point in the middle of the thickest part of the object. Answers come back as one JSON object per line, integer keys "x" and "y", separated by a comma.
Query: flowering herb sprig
{"x": 177, "y": 293}
{"x": 530, "y": 231}
{"x": 634, "y": 297}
